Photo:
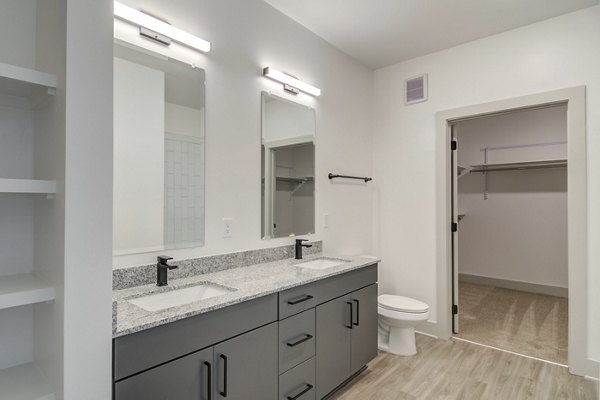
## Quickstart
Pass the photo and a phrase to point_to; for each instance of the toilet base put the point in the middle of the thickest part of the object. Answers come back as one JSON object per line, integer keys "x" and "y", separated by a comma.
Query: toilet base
{"x": 399, "y": 341}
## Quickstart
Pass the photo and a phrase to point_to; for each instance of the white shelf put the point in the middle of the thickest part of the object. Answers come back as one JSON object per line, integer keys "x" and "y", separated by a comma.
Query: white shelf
{"x": 27, "y": 186}
{"x": 23, "y": 289}
{"x": 24, "y": 382}
{"x": 519, "y": 166}
{"x": 19, "y": 81}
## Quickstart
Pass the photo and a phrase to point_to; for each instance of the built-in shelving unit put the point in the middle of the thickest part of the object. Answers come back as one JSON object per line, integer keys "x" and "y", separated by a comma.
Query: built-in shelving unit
{"x": 24, "y": 382}
{"x": 519, "y": 166}
{"x": 27, "y": 186}
{"x": 23, "y": 289}
{"x": 32, "y": 147}
{"x": 23, "y": 82}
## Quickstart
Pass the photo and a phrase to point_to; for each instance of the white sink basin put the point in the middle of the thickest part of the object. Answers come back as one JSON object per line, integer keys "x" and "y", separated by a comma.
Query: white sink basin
{"x": 179, "y": 297}
{"x": 321, "y": 263}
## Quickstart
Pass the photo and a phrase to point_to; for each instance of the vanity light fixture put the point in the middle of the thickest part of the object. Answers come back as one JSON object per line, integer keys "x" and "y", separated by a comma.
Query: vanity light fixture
{"x": 290, "y": 83}
{"x": 163, "y": 29}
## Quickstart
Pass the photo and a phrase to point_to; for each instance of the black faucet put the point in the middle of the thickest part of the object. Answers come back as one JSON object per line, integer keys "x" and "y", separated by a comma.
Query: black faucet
{"x": 299, "y": 247}
{"x": 161, "y": 270}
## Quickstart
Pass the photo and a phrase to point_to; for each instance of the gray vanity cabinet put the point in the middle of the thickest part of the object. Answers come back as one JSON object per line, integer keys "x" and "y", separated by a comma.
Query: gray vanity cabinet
{"x": 364, "y": 327}
{"x": 334, "y": 339}
{"x": 184, "y": 379}
{"x": 247, "y": 366}
{"x": 346, "y": 337}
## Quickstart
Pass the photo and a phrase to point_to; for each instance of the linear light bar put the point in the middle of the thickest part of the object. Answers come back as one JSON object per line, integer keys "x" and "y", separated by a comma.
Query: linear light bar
{"x": 290, "y": 80}
{"x": 144, "y": 20}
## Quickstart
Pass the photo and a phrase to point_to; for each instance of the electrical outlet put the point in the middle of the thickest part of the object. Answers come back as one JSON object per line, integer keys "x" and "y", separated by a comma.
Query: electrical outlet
{"x": 227, "y": 227}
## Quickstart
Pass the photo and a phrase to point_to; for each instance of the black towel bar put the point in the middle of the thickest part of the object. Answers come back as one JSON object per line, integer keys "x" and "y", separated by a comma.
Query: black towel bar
{"x": 362, "y": 178}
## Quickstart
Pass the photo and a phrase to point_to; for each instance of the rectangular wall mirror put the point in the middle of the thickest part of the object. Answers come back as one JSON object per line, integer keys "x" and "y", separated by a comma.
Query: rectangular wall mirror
{"x": 288, "y": 168}
{"x": 158, "y": 152}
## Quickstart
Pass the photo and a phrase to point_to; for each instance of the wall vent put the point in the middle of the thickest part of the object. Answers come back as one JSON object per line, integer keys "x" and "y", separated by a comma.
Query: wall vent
{"x": 415, "y": 89}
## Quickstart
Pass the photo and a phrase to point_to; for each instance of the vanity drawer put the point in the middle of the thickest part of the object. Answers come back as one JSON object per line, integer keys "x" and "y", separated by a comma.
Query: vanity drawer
{"x": 296, "y": 339}
{"x": 298, "y": 299}
{"x": 299, "y": 382}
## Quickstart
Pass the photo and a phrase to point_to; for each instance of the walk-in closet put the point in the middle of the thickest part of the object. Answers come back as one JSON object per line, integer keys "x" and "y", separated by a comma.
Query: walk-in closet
{"x": 511, "y": 246}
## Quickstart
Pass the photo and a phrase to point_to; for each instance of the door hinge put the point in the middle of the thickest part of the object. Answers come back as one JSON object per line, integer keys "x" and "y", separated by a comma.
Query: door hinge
{"x": 453, "y": 145}
{"x": 454, "y": 309}
{"x": 454, "y": 227}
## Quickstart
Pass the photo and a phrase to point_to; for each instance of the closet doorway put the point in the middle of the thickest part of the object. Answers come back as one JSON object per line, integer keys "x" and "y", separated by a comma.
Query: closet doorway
{"x": 510, "y": 253}
{"x": 573, "y": 99}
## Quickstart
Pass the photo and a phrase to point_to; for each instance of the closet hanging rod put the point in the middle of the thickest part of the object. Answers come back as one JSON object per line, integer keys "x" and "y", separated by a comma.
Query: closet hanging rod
{"x": 362, "y": 178}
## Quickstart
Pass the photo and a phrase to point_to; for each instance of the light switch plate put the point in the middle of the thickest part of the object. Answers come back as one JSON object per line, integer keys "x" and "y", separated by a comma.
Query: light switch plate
{"x": 326, "y": 220}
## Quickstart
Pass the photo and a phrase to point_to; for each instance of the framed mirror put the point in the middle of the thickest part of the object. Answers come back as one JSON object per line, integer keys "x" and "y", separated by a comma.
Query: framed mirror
{"x": 158, "y": 152}
{"x": 288, "y": 168}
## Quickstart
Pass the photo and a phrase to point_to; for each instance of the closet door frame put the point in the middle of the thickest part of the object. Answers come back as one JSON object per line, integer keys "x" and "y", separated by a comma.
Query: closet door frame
{"x": 579, "y": 361}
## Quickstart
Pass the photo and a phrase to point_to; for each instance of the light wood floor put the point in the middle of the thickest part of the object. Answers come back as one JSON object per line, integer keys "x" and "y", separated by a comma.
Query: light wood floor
{"x": 526, "y": 323}
{"x": 458, "y": 370}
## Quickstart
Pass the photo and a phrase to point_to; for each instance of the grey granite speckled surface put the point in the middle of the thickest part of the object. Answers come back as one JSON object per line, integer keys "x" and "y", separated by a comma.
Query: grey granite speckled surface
{"x": 128, "y": 277}
{"x": 248, "y": 283}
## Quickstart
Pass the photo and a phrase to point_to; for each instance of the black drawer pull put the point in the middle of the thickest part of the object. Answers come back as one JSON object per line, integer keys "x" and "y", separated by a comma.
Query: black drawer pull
{"x": 209, "y": 379}
{"x": 300, "y": 299}
{"x": 304, "y": 339}
{"x": 306, "y": 389}
{"x": 351, "y": 314}
{"x": 224, "y": 392}
{"x": 357, "y": 312}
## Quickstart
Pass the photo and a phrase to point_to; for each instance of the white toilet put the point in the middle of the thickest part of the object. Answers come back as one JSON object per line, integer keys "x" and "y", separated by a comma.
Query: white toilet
{"x": 398, "y": 317}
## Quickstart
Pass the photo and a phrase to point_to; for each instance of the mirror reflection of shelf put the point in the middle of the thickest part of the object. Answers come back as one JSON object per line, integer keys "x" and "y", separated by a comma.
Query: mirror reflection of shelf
{"x": 298, "y": 181}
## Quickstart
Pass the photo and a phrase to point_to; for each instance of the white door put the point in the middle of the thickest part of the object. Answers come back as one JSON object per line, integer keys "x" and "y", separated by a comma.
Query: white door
{"x": 454, "y": 227}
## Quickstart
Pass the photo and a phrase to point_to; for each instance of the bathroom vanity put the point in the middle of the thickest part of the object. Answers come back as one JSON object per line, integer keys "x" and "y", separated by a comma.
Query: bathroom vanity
{"x": 283, "y": 331}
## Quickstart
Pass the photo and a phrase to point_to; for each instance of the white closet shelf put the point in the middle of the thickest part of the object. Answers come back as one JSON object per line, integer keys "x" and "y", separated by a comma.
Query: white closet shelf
{"x": 27, "y": 186}
{"x": 24, "y": 382}
{"x": 23, "y": 289}
{"x": 518, "y": 166}
{"x": 19, "y": 81}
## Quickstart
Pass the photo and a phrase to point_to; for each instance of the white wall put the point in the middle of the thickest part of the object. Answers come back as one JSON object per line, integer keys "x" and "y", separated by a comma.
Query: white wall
{"x": 139, "y": 151}
{"x": 557, "y": 53}
{"x": 255, "y": 36}
{"x": 88, "y": 201}
{"x": 520, "y": 232}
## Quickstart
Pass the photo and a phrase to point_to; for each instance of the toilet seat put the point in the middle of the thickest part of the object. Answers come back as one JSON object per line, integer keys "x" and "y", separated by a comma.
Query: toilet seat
{"x": 402, "y": 304}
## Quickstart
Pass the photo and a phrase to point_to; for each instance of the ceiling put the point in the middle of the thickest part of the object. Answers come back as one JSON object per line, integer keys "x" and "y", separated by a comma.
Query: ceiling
{"x": 383, "y": 32}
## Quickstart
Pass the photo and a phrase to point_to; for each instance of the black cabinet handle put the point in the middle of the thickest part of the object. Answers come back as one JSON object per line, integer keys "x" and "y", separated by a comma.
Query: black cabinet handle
{"x": 209, "y": 379}
{"x": 306, "y": 389}
{"x": 224, "y": 392}
{"x": 357, "y": 312}
{"x": 304, "y": 339}
{"x": 300, "y": 299}
{"x": 351, "y": 314}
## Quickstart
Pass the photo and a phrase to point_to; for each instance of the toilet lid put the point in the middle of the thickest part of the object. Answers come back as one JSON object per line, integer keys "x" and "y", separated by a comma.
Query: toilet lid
{"x": 401, "y": 303}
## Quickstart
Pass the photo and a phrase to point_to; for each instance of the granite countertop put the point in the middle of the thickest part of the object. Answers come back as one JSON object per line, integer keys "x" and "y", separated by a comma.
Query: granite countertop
{"x": 248, "y": 283}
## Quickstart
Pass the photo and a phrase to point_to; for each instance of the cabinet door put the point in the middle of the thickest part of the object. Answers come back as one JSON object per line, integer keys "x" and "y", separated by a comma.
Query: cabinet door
{"x": 334, "y": 328}
{"x": 188, "y": 378}
{"x": 364, "y": 332}
{"x": 247, "y": 366}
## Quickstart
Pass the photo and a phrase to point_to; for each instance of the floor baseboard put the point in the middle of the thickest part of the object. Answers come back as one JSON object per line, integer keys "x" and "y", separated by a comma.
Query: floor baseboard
{"x": 549, "y": 290}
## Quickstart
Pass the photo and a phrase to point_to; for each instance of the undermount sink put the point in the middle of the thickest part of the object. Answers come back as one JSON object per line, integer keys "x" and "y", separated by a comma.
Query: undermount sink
{"x": 179, "y": 297}
{"x": 321, "y": 263}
